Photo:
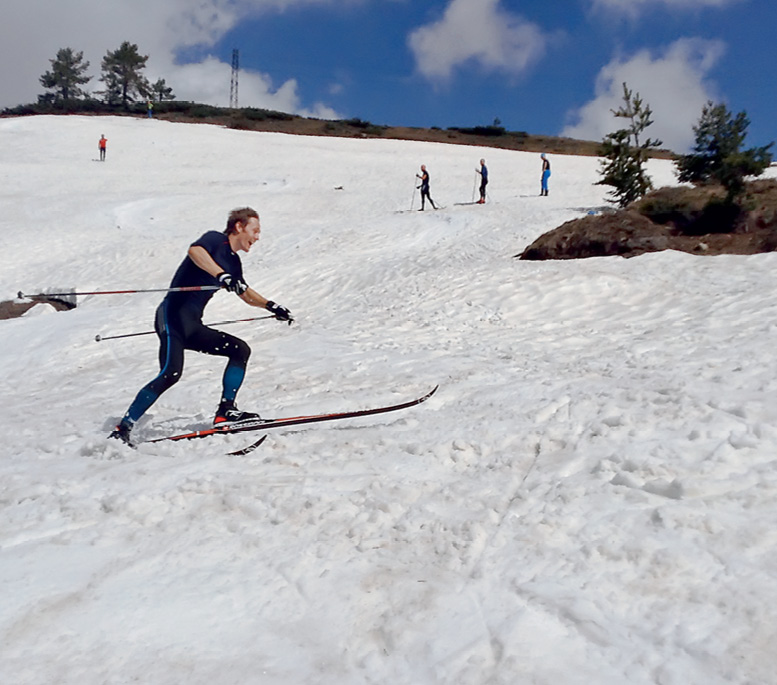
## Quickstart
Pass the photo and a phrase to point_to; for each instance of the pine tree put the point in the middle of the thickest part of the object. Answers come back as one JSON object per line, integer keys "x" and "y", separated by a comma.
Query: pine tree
{"x": 65, "y": 77}
{"x": 717, "y": 156}
{"x": 626, "y": 156}
{"x": 161, "y": 91}
{"x": 122, "y": 75}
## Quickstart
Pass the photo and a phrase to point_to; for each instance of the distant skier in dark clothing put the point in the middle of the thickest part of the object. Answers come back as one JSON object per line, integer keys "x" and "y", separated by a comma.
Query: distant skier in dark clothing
{"x": 424, "y": 176}
{"x": 483, "y": 171}
{"x": 545, "y": 175}
{"x": 211, "y": 261}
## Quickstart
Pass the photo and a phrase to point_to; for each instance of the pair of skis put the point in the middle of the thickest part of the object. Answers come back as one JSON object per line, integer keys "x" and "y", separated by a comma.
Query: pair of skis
{"x": 267, "y": 424}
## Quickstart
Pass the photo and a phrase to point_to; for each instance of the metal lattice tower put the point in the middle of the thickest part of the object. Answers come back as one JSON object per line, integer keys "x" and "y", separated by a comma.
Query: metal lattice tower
{"x": 233, "y": 82}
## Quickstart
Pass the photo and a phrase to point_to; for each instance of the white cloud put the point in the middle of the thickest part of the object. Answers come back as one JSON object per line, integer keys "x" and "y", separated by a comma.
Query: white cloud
{"x": 33, "y": 30}
{"x": 673, "y": 84}
{"x": 480, "y": 31}
{"x": 209, "y": 82}
{"x": 632, "y": 7}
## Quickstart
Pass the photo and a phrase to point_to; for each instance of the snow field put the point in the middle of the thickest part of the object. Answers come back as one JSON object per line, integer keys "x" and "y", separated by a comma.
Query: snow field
{"x": 589, "y": 497}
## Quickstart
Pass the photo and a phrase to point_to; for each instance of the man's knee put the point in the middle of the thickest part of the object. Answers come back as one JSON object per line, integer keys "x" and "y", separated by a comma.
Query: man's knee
{"x": 238, "y": 350}
{"x": 165, "y": 381}
{"x": 245, "y": 350}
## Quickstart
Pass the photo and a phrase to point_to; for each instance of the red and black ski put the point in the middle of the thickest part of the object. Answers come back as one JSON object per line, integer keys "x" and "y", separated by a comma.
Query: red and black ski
{"x": 267, "y": 424}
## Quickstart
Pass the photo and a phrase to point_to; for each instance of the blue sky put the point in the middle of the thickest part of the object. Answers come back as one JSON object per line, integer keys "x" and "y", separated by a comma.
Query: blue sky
{"x": 552, "y": 67}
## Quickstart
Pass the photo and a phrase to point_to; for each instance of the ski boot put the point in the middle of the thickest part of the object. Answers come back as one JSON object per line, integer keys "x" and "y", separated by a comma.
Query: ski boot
{"x": 122, "y": 432}
{"x": 228, "y": 413}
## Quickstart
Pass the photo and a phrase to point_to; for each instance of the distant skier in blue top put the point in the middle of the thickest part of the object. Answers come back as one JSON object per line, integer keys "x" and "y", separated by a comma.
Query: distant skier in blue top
{"x": 483, "y": 171}
{"x": 545, "y": 175}
{"x": 212, "y": 260}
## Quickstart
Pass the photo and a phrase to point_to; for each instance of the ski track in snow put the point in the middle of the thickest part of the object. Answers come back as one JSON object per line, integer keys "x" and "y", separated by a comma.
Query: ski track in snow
{"x": 588, "y": 498}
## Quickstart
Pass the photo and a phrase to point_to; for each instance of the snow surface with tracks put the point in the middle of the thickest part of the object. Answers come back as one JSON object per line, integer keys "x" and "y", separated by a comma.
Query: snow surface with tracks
{"x": 589, "y": 497}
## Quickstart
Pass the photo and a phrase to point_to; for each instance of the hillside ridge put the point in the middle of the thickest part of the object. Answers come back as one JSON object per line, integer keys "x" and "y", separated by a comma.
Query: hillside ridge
{"x": 256, "y": 119}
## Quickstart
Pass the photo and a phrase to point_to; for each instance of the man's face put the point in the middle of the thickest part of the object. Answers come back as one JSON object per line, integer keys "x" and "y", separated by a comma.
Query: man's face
{"x": 247, "y": 234}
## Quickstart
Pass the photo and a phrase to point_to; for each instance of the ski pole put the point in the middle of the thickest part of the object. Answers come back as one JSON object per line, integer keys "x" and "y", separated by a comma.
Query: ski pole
{"x": 100, "y": 338}
{"x": 412, "y": 202}
{"x": 183, "y": 289}
{"x": 474, "y": 186}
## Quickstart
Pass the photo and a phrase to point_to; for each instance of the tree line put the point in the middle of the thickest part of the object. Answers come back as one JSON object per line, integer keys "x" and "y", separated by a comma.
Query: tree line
{"x": 717, "y": 156}
{"x": 121, "y": 74}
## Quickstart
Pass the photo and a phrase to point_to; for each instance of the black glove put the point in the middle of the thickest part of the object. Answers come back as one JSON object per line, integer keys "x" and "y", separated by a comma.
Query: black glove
{"x": 234, "y": 285}
{"x": 281, "y": 313}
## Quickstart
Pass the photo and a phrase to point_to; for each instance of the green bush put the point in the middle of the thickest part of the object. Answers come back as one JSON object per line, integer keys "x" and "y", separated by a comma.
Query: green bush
{"x": 488, "y": 131}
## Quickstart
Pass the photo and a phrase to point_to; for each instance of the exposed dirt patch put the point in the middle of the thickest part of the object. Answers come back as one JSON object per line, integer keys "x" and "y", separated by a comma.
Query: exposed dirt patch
{"x": 694, "y": 220}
